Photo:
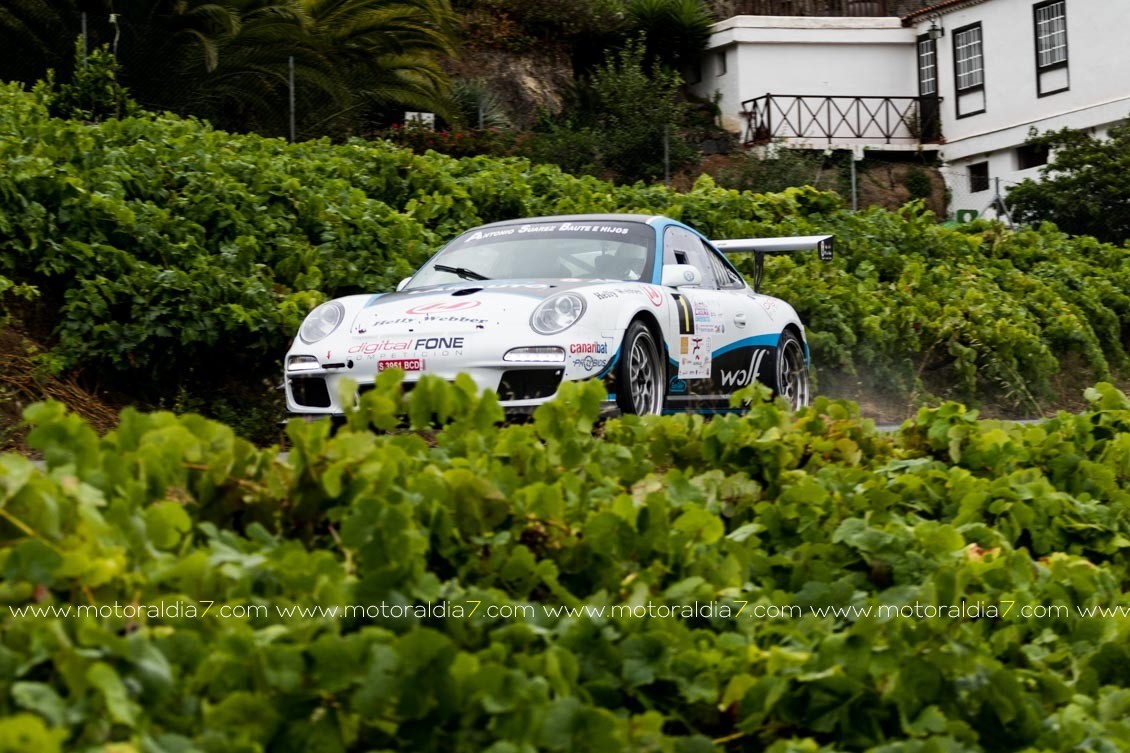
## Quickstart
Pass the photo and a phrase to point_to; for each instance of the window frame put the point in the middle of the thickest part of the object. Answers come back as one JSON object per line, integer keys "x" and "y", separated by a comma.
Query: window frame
{"x": 726, "y": 274}
{"x": 924, "y": 39}
{"x": 980, "y": 86}
{"x": 1030, "y": 157}
{"x": 1042, "y": 68}
{"x": 975, "y": 180}
{"x": 694, "y": 247}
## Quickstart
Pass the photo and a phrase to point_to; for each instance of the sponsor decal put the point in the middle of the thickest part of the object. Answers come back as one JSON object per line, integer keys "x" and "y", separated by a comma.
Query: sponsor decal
{"x": 604, "y": 295}
{"x": 380, "y": 346}
{"x": 594, "y": 228}
{"x": 588, "y": 348}
{"x": 694, "y": 357}
{"x": 654, "y": 296}
{"x": 588, "y": 363}
{"x": 442, "y": 306}
{"x": 742, "y": 377}
{"x": 688, "y": 276}
{"x": 438, "y": 343}
{"x": 404, "y": 320}
{"x": 479, "y": 235}
{"x": 683, "y": 310}
{"x": 677, "y": 386}
{"x": 404, "y": 364}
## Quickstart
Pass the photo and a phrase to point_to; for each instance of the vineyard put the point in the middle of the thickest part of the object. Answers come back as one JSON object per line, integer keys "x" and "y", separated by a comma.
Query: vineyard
{"x": 173, "y": 262}
{"x": 797, "y": 583}
{"x": 429, "y": 579}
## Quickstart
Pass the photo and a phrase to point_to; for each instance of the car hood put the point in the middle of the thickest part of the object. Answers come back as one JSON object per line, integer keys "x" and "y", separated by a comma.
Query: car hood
{"x": 462, "y": 307}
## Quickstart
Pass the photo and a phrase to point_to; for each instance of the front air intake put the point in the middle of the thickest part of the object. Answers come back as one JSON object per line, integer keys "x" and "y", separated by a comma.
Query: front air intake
{"x": 529, "y": 384}
{"x": 310, "y": 392}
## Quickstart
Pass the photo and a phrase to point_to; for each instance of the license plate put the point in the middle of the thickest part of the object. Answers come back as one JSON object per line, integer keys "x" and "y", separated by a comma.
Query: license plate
{"x": 404, "y": 364}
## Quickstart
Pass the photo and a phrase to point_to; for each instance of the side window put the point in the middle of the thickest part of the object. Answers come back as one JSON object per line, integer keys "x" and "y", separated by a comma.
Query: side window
{"x": 684, "y": 247}
{"x": 726, "y": 275}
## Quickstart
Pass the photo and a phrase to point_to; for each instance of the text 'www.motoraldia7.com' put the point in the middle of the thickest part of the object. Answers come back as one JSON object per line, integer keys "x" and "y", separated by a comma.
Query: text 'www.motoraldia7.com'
{"x": 472, "y": 608}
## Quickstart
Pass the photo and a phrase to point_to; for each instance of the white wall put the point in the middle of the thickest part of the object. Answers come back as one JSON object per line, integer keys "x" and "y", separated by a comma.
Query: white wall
{"x": 1099, "y": 79}
{"x": 878, "y": 57}
{"x": 806, "y": 56}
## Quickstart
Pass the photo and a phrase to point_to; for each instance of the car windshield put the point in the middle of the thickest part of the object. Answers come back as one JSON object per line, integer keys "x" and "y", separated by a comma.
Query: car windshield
{"x": 584, "y": 249}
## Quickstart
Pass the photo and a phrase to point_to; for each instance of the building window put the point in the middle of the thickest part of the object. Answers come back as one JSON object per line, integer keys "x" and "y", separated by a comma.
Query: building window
{"x": 1051, "y": 47}
{"x": 722, "y": 63}
{"x": 927, "y": 66}
{"x": 1031, "y": 155}
{"x": 968, "y": 58}
{"x": 1051, "y": 34}
{"x": 979, "y": 177}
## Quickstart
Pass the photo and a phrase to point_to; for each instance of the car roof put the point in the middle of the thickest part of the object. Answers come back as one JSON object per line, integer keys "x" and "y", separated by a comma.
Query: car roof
{"x": 611, "y": 217}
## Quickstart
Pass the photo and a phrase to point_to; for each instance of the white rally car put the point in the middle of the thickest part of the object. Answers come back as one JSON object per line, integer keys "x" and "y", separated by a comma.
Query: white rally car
{"x": 642, "y": 302}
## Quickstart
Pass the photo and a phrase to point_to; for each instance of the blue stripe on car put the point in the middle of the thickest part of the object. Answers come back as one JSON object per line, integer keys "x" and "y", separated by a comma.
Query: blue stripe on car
{"x": 767, "y": 341}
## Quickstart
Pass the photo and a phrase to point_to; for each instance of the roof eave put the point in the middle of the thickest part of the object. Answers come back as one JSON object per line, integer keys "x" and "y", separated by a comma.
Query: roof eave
{"x": 937, "y": 9}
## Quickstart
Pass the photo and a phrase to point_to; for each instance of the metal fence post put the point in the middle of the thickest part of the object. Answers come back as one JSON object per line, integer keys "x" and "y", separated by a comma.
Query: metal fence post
{"x": 291, "y": 66}
{"x": 85, "y": 39}
{"x": 666, "y": 154}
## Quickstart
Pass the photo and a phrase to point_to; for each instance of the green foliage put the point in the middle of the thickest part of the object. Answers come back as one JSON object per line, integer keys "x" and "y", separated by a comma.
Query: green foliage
{"x": 257, "y": 558}
{"x": 94, "y": 92}
{"x": 776, "y": 170}
{"x": 918, "y": 183}
{"x": 675, "y": 32}
{"x": 480, "y": 107}
{"x": 631, "y": 106}
{"x": 1085, "y": 189}
{"x": 458, "y": 142}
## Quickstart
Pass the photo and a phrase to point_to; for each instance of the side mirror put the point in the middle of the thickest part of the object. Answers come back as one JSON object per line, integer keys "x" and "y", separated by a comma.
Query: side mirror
{"x": 679, "y": 275}
{"x": 403, "y": 284}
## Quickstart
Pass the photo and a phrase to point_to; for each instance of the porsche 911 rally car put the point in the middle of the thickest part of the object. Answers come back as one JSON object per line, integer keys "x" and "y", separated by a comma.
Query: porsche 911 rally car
{"x": 644, "y": 303}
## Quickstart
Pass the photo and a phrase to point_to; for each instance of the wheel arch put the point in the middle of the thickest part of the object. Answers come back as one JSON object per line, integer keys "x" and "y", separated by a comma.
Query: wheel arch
{"x": 652, "y": 324}
{"x": 797, "y": 330}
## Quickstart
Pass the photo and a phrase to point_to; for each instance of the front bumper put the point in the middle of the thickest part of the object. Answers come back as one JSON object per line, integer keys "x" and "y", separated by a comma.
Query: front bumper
{"x": 518, "y": 385}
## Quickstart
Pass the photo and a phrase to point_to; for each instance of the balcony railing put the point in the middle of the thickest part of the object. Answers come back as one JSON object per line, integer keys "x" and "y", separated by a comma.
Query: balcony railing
{"x": 803, "y": 8}
{"x": 857, "y": 120}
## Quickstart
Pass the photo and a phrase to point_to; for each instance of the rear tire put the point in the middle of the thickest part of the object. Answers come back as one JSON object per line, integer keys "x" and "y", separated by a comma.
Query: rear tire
{"x": 792, "y": 371}
{"x": 642, "y": 375}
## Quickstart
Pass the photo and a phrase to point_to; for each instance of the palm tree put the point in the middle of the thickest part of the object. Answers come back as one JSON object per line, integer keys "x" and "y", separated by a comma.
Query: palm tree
{"x": 388, "y": 51}
{"x": 228, "y": 60}
{"x": 37, "y": 35}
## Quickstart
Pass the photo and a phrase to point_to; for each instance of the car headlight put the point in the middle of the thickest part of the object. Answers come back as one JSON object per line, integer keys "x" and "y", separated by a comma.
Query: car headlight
{"x": 557, "y": 314}
{"x": 321, "y": 322}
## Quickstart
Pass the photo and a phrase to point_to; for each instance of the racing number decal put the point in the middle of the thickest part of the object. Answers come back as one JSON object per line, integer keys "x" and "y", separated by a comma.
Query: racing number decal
{"x": 686, "y": 319}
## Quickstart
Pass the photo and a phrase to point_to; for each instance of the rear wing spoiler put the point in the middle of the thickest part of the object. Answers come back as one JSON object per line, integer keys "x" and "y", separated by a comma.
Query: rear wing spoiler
{"x": 822, "y": 244}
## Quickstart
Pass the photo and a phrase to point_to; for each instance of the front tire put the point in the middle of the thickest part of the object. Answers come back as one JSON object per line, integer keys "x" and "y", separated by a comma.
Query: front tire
{"x": 792, "y": 371}
{"x": 642, "y": 376}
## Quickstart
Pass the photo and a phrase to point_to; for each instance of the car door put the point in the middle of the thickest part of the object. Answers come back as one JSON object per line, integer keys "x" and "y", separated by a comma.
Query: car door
{"x": 702, "y": 327}
{"x": 749, "y": 352}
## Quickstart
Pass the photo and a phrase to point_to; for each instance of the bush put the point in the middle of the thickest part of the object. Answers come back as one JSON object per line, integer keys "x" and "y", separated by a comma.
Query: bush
{"x": 776, "y": 170}
{"x": 94, "y": 94}
{"x": 1085, "y": 189}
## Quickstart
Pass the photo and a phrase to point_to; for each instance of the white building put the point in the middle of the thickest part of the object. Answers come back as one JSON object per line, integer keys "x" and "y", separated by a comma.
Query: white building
{"x": 969, "y": 78}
